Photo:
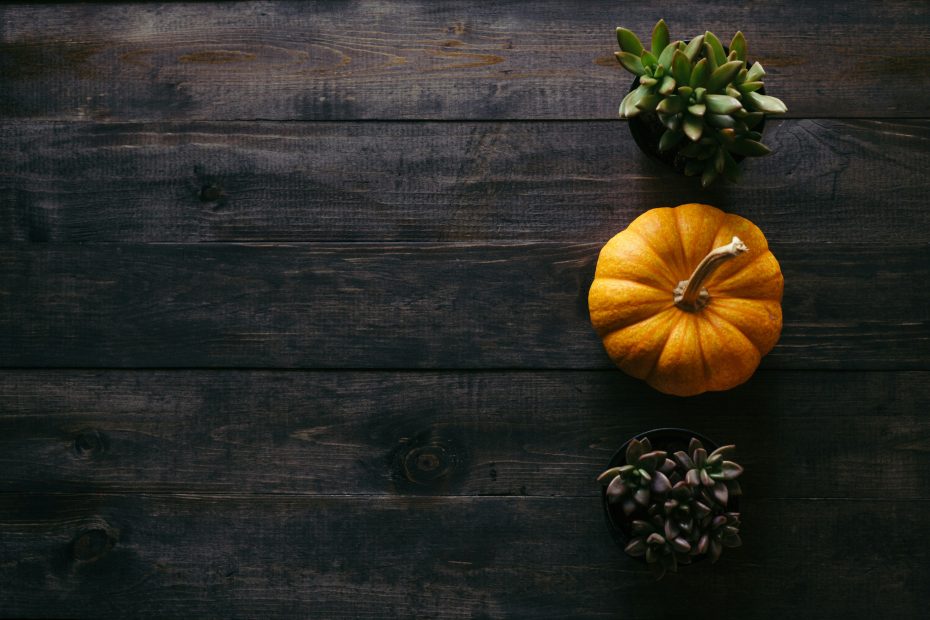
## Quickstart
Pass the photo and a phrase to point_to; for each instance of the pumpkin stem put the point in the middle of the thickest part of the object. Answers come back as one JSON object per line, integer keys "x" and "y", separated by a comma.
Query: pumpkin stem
{"x": 689, "y": 294}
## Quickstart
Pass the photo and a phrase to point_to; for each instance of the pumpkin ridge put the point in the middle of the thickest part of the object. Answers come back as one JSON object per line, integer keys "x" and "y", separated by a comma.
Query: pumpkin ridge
{"x": 737, "y": 328}
{"x": 655, "y": 364}
{"x": 623, "y": 357}
{"x": 668, "y": 271}
{"x": 619, "y": 325}
{"x": 682, "y": 215}
{"x": 705, "y": 371}
{"x": 639, "y": 282}
{"x": 753, "y": 257}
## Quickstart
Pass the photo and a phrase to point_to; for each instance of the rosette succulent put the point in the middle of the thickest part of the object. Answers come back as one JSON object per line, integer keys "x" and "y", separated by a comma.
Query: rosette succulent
{"x": 644, "y": 474}
{"x": 677, "y": 508}
{"x": 709, "y": 101}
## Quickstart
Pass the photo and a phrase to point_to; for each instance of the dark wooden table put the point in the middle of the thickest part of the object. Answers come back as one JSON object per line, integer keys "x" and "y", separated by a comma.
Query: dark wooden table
{"x": 293, "y": 312}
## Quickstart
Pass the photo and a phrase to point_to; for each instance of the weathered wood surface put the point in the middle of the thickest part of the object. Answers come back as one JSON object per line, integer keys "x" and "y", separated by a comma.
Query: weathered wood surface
{"x": 827, "y": 181}
{"x": 228, "y": 556}
{"x": 388, "y": 400}
{"x": 411, "y": 306}
{"x": 799, "y": 434}
{"x": 448, "y": 60}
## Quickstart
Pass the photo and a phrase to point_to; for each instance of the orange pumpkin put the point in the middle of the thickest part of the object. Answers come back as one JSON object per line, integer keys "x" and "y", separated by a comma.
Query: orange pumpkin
{"x": 688, "y": 299}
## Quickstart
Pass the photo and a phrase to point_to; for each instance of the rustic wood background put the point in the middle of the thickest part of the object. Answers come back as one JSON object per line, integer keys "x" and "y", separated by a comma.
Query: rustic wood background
{"x": 293, "y": 312}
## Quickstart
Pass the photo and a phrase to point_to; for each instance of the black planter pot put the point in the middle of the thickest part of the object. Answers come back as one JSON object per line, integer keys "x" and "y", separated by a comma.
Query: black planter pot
{"x": 670, "y": 440}
{"x": 647, "y": 130}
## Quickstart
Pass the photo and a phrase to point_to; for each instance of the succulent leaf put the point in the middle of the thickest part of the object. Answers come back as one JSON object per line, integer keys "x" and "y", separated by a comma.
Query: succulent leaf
{"x": 716, "y": 48}
{"x": 700, "y": 457}
{"x": 616, "y": 490}
{"x": 636, "y": 548}
{"x": 730, "y": 470}
{"x": 642, "y": 528}
{"x": 649, "y": 60}
{"x": 699, "y": 74}
{"x": 634, "y": 450}
{"x": 667, "y": 85}
{"x": 629, "y": 42}
{"x": 766, "y": 103}
{"x": 749, "y": 87}
{"x": 693, "y": 478}
{"x": 722, "y": 76}
{"x": 722, "y": 104}
{"x": 649, "y": 102}
{"x": 659, "y": 37}
{"x": 738, "y": 45}
{"x": 669, "y": 139}
{"x": 684, "y": 460}
{"x": 755, "y": 73}
{"x": 732, "y": 91}
{"x": 680, "y": 544}
{"x": 665, "y": 58}
{"x": 629, "y": 506}
{"x": 681, "y": 68}
{"x": 732, "y": 541}
{"x": 631, "y": 62}
{"x": 672, "y": 121}
{"x": 672, "y": 105}
{"x": 693, "y": 48}
{"x": 693, "y": 126}
{"x": 748, "y": 148}
{"x": 712, "y": 63}
{"x": 660, "y": 483}
{"x": 609, "y": 474}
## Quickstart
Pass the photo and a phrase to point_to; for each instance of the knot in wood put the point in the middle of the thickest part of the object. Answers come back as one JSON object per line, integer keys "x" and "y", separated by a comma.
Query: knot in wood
{"x": 211, "y": 192}
{"x": 426, "y": 464}
{"x": 90, "y": 443}
{"x": 92, "y": 544}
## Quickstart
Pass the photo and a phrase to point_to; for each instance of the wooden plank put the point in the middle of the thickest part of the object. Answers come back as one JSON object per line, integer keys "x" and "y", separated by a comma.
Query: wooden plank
{"x": 457, "y": 60}
{"x": 337, "y": 557}
{"x": 410, "y": 306}
{"x": 446, "y": 433}
{"x": 836, "y": 181}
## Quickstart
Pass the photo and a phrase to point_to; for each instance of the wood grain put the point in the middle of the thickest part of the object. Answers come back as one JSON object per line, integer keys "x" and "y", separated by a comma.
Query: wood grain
{"x": 410, "y": 306}
{"x": 799, "y": 434}
{"x": 154, "y": 556}
{"x": 827, "y": 181}
{"x": 455, "y": 60}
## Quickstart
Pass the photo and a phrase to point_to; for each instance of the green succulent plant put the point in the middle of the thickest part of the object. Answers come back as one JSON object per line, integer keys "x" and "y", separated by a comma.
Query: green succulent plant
{"x": 707, "y": 100}
{"x": 675, "y": 514}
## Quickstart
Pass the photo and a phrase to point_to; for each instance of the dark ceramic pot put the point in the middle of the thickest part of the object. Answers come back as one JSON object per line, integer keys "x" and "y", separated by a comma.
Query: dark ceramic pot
{"x": 670, "y": 440}
{"x": 647, "y": 130}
